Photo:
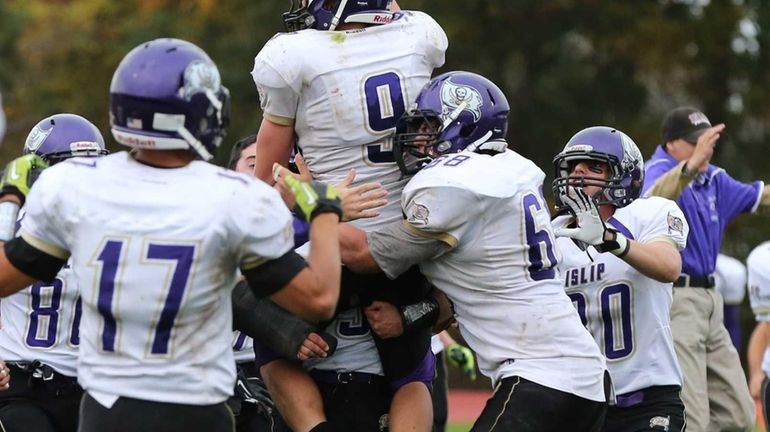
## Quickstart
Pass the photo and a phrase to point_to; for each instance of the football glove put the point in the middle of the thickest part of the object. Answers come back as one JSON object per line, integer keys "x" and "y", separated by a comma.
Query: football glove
{"x": 462, "y": 357}
{"x": 19, "y": 175}
{"x": 314, "y": 198}
{"x": 590, "y": 226}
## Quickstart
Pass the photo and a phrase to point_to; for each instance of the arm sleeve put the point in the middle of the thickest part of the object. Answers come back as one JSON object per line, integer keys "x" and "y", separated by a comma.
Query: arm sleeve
{"x": 44, "y": 225}
{"x": 278, "y": 82}
{"x": 734, "y": 197}
{"x": 399, "y": 246}
{"x": 261, "y": 232}
{"x": 667, "y": 184}
{"x": 666, "y": 223}
{"x": 435, "y": 40}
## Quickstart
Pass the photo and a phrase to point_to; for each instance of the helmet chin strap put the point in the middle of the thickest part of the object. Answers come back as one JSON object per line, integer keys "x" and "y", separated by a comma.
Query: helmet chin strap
{"x": 336, "y": 19}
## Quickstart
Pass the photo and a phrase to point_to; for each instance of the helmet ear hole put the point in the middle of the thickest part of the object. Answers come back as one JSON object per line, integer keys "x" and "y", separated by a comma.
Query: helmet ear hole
{"x": 467, "y": 130}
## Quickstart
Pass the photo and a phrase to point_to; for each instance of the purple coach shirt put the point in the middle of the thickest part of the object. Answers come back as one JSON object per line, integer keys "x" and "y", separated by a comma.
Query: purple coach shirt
{"x": 709, "y": 203}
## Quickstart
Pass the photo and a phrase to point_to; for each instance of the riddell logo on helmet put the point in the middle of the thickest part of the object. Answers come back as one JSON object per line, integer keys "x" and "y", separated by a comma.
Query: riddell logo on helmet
{"x": 383, "y": 19}
{"x": 134, "y": 141}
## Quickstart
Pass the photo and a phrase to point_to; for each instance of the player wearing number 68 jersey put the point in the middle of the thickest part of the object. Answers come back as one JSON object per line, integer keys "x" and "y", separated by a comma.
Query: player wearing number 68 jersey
{"x": 624, "y": 297}
{"x": 478, "y": 226}
{"x": 39, "y": 326}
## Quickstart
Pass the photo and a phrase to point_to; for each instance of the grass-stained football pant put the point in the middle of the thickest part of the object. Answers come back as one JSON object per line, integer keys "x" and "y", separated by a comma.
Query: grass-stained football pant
{"x": 715, "y": 392}
{"x": 524, "y": 406}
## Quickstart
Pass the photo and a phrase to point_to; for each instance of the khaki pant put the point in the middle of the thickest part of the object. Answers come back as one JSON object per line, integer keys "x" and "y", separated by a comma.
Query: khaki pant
{"x": 715, "y": 393}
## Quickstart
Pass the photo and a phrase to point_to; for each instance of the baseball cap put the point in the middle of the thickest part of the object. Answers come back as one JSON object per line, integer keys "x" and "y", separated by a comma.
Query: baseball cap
{"x": 684, "y": 122}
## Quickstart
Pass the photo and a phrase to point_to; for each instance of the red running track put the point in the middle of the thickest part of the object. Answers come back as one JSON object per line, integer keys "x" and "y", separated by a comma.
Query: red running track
{"x": 466, "y": 405}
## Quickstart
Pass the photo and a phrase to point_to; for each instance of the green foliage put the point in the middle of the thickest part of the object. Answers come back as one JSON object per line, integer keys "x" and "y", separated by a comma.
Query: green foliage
{"x": 564, "y": 65}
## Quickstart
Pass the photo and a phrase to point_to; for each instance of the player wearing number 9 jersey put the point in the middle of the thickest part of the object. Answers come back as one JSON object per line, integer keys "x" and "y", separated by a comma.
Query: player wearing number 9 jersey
{"x": 624, "y": 297}
{"x": 342, "y": 92}
{"x": 478, "y": 226}
{"x": 39, "y": 326}
{"x": 336, "y": 88}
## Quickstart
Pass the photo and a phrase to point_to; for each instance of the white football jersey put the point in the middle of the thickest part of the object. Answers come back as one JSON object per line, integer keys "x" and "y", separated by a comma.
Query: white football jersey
{"x": 628, "y": 313}
{"x": 501, "y": 276}
{"x": 344, "y": 92}
{"x": 355, "y": 346}
{"x": 243, "y": 347}
{"x": 730, "y": 278}
{"x": 42, "y": 323}
{"x": 156, "y": 254}
{"x": 758, "y": 264}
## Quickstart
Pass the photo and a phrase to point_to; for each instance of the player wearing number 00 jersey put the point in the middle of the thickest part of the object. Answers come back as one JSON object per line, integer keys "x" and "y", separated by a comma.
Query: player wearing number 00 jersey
{"x": 39, "y": 325}
{"x": 624, "y": 299}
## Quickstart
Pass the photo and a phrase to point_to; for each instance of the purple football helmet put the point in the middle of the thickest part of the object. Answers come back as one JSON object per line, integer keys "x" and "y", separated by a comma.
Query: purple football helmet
{"x": 62, "y": 136}
{"x": 167, "y": 94}
{"x": 455, "y": 111}
{"x": 329, "y": 14}
{"x": 604, "y": 144}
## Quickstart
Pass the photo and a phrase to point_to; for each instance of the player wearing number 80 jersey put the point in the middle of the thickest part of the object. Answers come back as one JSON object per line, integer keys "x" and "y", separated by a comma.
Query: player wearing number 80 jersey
{"x": 39, "y": 326}
{"x": 623, "y": 297}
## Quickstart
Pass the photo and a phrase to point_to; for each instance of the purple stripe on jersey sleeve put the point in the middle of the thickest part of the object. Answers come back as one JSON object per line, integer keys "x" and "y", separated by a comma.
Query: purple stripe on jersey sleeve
{"x": 620, "y": 227}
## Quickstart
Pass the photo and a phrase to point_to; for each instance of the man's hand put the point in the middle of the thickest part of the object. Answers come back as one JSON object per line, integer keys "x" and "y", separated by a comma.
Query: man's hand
{"x": 19, "y": 175}
{"x": 314, "y": 346}
{"x": 704, "y": 149}
{"x": 384, "y": 319}
{"x": 310, "y": 198}
{"x": 359, "y": 202}
{"x": 462, "y": 357}
{"x": 590, "y": 226}
{"x": 5, "y": 376}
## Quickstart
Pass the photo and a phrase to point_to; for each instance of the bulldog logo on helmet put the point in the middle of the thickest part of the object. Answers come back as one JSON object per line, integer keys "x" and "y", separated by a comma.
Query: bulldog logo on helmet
{"x": 454, "y": 96}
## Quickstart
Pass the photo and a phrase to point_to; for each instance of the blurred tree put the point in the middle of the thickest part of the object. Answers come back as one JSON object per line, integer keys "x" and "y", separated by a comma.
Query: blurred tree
{"x": 564, "y": 64}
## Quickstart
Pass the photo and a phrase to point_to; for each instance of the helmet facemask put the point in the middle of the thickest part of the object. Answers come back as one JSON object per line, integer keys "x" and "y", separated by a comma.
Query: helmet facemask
{"x": 417, "y": 132}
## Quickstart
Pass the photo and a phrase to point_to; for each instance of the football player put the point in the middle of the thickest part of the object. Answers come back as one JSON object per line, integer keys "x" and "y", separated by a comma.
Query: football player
{"x": 730, "y": 280}
{"x": 478, "y": 226}
{"x": 621, "y": 255}
{"x": 39, "y": 325}
{"x": 335, "y": 87}
{"x": 153, "y": 238}
{"x": 758, "y": 355}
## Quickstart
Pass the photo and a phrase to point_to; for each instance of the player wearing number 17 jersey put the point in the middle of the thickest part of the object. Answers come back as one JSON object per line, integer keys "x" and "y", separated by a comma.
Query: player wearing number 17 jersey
{"x": 156, "y": 242}
{"x": 39, "y": 326}
{"x": 624, "y": 296}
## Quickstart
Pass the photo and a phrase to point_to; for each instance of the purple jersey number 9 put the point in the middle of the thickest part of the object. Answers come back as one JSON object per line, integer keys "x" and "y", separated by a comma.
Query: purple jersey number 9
{"x": 384, "y": 106}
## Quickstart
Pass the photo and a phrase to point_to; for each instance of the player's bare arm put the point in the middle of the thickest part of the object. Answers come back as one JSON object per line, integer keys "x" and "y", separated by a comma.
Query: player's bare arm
{"x": 274, "y": 144}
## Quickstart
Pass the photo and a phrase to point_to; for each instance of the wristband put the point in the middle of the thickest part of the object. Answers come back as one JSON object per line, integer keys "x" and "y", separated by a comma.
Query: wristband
{"x": 617, "y": 245}
{"x": 9, "y": 213}
{"x": 422, "y": 314}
